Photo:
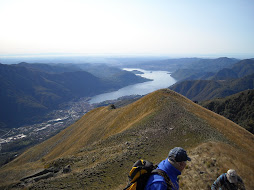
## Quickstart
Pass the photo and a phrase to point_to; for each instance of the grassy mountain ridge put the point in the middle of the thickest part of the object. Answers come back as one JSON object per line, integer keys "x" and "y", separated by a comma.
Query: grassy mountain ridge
{"x": 104, "y": 143}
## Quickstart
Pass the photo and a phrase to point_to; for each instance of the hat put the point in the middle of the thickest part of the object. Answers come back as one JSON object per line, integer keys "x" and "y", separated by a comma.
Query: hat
{"x": 178, "y": 154}
{"x": 232, "y": 176}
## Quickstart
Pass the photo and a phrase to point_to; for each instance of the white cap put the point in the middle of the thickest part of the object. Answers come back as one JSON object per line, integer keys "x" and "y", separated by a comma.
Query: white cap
{"x": 232, "y": 176}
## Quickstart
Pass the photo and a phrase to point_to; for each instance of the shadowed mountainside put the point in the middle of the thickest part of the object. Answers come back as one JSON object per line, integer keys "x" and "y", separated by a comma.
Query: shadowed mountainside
{"x": 200, "y": 90}
{"x": 238, "y": 108}
{"x": 102, "y": 146}
{"x": 224, "y": 83}
{"x": 28, "y": 91}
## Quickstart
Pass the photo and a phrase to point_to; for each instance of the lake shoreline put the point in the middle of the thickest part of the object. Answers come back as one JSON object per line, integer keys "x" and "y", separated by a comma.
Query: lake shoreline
{"x": 159, "y": 80}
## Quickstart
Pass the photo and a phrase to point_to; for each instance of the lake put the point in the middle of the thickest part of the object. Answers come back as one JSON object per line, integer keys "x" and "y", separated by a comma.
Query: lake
{"x": 160, "y": 79}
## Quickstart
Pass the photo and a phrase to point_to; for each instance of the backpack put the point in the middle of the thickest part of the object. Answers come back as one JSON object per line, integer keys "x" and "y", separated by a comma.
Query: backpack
{"x": 140, "y": 173}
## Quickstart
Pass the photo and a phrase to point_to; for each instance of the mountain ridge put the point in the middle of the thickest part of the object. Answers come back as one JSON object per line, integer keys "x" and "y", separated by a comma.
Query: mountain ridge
{"x": 146, "y": 129}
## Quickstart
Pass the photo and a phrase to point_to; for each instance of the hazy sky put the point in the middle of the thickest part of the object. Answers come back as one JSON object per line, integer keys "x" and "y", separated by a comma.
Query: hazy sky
{"x": 128, "y": 27}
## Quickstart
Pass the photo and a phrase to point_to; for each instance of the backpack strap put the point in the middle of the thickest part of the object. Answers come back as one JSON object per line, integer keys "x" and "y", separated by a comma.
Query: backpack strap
{"x": 165, "y": 176}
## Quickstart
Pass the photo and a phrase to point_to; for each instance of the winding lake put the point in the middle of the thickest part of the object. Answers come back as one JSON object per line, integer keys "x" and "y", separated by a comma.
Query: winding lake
{"x": 160, "y": 79}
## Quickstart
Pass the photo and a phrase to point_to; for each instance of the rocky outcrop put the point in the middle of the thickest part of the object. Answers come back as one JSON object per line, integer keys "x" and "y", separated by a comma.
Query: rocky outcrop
{"x": 44, "y": 174}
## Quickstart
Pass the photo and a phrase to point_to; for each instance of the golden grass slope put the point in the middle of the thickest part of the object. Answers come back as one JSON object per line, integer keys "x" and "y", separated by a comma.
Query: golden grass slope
{"x": 102, "y": 146}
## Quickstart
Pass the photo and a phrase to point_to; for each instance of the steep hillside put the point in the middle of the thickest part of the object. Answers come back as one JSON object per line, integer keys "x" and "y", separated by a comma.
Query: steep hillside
{"x": 197, "y": 90}
{"x": 244, "y": 67}
{"x": 200, "y": 90}
{"x": 30, "y": 90}
{"x": 240, "y": 69}
{"x": 102, "y": 146}
{"x": 238, "y": 107}
{"x": 50, "y": 68}
{"x": 224, "y": 74}
{"x": 26, "y": 94}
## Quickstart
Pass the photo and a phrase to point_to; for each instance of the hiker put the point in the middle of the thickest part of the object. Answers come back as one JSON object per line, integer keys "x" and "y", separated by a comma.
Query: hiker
{"x": 173, "y": 165}
{"x": 228, "y": 181}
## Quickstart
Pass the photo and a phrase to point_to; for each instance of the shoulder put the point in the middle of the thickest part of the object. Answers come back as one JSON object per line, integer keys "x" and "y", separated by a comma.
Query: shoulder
{"x": 239, "y": 179}
{"x": 155, "y": 179}
{"x": 160, "y": 185}
{"x": 223, "y": 176}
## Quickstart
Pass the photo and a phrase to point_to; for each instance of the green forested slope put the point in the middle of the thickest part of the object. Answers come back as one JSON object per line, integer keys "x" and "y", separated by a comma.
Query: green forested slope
{"x": 238, "y": 108}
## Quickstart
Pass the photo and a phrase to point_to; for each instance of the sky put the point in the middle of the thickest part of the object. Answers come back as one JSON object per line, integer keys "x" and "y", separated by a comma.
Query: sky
{"x": 127, "y": 27}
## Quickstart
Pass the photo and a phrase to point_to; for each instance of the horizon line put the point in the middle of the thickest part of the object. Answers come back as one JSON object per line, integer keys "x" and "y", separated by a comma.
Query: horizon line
{"x": 27, "y": 55}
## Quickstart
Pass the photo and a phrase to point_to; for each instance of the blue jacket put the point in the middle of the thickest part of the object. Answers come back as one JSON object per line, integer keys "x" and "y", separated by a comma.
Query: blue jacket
{"x": 157, "y": 182}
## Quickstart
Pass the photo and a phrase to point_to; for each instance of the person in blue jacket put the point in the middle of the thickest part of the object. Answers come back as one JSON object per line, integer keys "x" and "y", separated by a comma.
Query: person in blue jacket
{"x": 173, "y": 165}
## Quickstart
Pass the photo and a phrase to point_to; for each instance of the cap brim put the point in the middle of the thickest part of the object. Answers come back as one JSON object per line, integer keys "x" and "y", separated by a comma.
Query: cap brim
{"x": 188, "y": 158}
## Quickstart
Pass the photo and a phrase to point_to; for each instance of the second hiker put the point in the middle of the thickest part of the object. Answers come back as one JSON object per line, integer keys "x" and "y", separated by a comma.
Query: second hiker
{"x": 173, "y": 165}
{"x": 229, "y": 180}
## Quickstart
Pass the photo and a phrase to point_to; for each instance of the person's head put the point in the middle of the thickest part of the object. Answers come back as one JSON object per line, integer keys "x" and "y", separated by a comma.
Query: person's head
{"x": 178, "y": 158}
{"x": 232, "y": 176}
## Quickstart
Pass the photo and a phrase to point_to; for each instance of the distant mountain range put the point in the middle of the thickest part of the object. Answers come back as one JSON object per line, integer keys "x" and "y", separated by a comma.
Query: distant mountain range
{"x": 97, "y": 151}
{"x": 207, "y": 69}
{"x": 181, "y": 65}
{"x": 223, "y": 83}
{"x": 30, "y": 90}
